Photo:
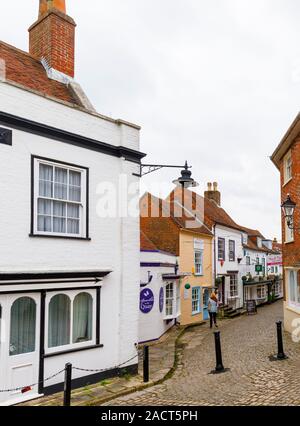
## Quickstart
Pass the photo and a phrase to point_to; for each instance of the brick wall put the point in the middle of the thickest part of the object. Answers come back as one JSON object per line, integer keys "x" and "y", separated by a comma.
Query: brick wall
{"x": 53, "y": 37}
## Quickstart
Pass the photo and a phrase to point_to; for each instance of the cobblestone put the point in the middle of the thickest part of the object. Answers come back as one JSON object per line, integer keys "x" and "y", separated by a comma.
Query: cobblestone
{"x": 247, "y": 343}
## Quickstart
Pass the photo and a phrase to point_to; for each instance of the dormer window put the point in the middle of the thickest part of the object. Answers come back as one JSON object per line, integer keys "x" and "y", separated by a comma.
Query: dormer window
{"x": 245, "y": 239}
{"x": 259, "y": 242}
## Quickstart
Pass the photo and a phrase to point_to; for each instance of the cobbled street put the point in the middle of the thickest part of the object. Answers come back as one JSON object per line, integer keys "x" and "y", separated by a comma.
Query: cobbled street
{"x": 247, "y": 343}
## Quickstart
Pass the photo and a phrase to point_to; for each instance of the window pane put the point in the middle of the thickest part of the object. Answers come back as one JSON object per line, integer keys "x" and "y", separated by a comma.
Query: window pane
{"x": 59, "y": 220}
{"x": 73, "y": 211}
{"x": 74, "y": 186}
{"x": 61, "y": 175}
{"x": 22, "y": 326}
{"x": 75, "y": 178}
{"x": 44, "y": 224}
{"x": 73, "y": 226}
{"x": 82, "y": 318}
{"x": 59, "y": 321}
{"x": 46, "y": 181}
{"x": 61, "y": 184}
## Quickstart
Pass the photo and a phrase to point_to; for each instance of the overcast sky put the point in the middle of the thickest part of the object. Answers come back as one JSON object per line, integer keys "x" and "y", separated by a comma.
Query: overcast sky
{"x": 214, "y": 82}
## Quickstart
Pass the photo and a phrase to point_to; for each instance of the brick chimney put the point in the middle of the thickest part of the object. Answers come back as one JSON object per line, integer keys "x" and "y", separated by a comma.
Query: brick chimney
{"x": 212, "y": 193}
{"x": 52, "y": 37}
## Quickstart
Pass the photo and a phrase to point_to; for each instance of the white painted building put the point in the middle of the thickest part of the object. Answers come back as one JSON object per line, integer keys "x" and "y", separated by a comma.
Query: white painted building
{"x": 159, "y": 292}
{"x": 69, "y": 278}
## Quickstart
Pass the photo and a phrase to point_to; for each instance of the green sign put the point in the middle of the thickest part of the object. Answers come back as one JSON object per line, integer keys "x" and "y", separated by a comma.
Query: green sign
{"x": 258, "y": 268}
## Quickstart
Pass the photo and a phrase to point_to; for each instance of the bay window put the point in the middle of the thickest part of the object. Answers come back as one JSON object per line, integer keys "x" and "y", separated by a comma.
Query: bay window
{"x": 59, "y": 199}
{"x": 172, "y": 300}
{"x": 261, "y": 292}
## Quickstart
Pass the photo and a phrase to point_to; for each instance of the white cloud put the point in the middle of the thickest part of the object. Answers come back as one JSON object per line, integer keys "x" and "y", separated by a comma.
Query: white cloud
{"x": 214, "y": 82}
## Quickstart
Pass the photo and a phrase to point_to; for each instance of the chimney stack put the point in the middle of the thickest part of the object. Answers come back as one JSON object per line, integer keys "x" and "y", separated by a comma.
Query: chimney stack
{"x": 213, "y": 193}
{"x": 52, "y": 37}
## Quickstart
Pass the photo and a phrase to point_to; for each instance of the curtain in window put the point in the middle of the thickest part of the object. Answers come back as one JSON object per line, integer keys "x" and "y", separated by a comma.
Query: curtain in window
{"x": 44, "y": 215}
{"x": 59, "y": 321}
{"x": 292, "y": 286}
{"x": 59, "y": 217}
{"x": 22, "y": 326}
{"x": 74, "y": 186}
{"x": 61, "y": 184}
{"x": 46, "y": 181}
{"x": 82, "y": 318}
{"x": 73, "y": 218}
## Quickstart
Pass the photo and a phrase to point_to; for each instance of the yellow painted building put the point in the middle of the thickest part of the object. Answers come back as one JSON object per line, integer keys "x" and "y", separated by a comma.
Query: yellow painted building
{"x": 195, "y": 260}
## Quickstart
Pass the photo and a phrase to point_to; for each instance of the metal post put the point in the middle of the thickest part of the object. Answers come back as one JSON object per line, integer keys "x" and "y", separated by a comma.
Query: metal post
{"x": 68, "y": 385}
{"x": 280, "y": 354}
{"x": 146, "y": 364}
{"x": 219, "y": 363}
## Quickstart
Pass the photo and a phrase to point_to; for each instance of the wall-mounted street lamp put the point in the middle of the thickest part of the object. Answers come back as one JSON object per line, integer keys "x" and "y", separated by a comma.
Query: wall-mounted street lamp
{"x": 288, "y": 209}
{"x": 184, "y": 180}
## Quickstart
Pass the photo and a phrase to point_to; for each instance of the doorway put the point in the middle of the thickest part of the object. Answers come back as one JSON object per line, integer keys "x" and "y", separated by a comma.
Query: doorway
{"x": 19, "y": 347}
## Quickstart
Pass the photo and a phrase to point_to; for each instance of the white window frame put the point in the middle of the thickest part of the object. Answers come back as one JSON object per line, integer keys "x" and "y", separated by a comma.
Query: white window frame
{"x": 288, "y": 234}
{"x": 178, "y": 300}
{"x": 71, "y": 294}
{"x": 233, "y": 286}
{"x": 172, "y": 315}
{"x": 83, "y": 207}
{"x": 277, "y": 287}
{"x": 287, "y": 168}
{"x": 198, "y": 265}
{"x": 231, "y": 250}
{"x": 198, "y": 311}
{"x": 293, "y": 302}
{"x": 248, "y": 260}
{"x": 261, "y": 292}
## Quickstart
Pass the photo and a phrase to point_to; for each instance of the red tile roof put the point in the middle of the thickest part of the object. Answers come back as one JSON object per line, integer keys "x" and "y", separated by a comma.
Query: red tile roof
{"x": 25, "y": 70}
{"x": 159, "y": 222}
{"x": 146, "y": 243}
{"x": 213, "y": 214}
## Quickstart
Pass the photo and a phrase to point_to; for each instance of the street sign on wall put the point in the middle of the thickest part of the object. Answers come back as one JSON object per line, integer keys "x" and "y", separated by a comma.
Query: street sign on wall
{"x": 146, "y": 300}
{"x": 258, "y": 268}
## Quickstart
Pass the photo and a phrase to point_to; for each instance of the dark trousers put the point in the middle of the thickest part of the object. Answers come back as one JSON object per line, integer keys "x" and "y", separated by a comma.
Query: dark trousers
{"x": 212, "y": 318}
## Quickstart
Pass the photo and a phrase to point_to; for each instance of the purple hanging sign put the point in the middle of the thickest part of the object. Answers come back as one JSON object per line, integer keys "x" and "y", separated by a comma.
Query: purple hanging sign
{"x": 161, "y": 299}
{"x": 146, "y": 300}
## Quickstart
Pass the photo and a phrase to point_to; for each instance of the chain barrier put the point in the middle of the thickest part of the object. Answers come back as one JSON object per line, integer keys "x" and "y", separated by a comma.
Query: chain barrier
{"x": 31, "y": 386}
{"x": 105, "y": 369}
{"x": 21, "y": 388}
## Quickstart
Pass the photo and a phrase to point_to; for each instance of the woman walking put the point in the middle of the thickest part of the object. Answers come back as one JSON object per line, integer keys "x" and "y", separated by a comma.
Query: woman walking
{"x": 213, "y": 309}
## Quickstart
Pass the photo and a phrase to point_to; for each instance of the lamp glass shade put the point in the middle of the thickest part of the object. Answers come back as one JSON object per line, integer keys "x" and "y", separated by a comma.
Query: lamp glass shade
{"x": 288, "y": 207}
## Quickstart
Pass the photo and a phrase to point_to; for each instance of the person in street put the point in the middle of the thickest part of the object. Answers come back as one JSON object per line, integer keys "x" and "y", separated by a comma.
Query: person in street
{"x": 213, "y": 305}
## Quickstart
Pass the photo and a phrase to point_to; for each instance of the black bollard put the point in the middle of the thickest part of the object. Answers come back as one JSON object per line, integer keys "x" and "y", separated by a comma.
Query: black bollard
{"x": 68, "y": 385}
{"x": 219, "y": 362}
{"x": 146, "y": 364}
{"x": 280, "y": 354}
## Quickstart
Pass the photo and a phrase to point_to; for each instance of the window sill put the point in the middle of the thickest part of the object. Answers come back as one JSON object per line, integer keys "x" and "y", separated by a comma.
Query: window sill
{"x": 196, "y": 313}
{"x": 289, "y": 242}
{"x": 60, "y": 237}
{"x": 69, "y": 351}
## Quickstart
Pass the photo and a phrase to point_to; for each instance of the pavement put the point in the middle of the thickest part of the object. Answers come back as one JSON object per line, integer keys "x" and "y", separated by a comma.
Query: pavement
{"x": 253, "y": 380}
{"x": 162, "y": 362}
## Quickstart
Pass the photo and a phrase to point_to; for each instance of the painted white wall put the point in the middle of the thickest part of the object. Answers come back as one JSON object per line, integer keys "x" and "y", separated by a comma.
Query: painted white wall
{"x": 153, "y": 325}
{"x": 114, "y": 241}
{"x": 234, "y": 235}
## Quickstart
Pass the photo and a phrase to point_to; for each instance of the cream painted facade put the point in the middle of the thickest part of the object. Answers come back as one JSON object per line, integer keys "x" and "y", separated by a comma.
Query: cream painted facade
{"x": 194, "y": 300}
